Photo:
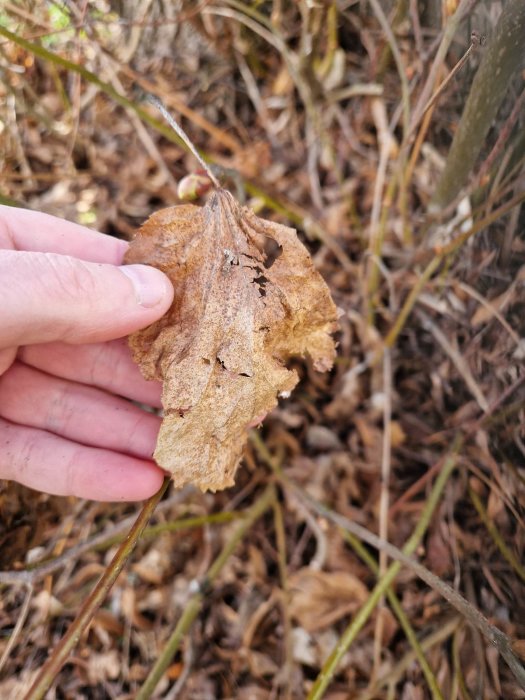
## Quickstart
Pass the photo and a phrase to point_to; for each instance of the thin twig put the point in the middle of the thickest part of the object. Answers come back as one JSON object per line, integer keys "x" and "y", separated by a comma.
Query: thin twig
{"x": 386, "y": 143}
{"x": 475, "y": 41}
{"x": 143, "y": 134}
{"x": 481, "y": 224}
{"x": 280, "y": 537}
{"x": 154, "y": 100}
{"x": 493, "y": 311}
{"x": 417, "y": 647}
{"x": 188, "y": 660}
{"x": 494, "y": 635}
{"x": 426, "y": 113}
{"x": 456, "y": 357}
{"x": 332, "y": 662}
{"x": 256, "y": 22}
{"x": 389, "y": 34}
{"x": 386, "y": 460}
{"x": 60, "y": 654}
{"x": 318, "y": 560}
{"x": 416, "y": 26}
{"x": 22, "y": 615}
{"x": 452, "y": 25}
{"x": 198, "y": 591}
{"x": 397, "y": 181}
{"x": 472, "y": 429}
{"x": 103, "y": 540}
{"x": 392, "y": 679}
{"x": 506, "y": 552}
{"x": 503, "y": 135}
{"x": 441, "y": 253}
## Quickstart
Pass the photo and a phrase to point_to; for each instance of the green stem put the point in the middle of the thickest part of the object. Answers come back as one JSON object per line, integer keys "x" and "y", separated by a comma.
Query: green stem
{"x": 409, "y": 305}
{"x": 494, "y": 533}
{"x": 226, "y": 516}
{"x": 502, "y": 61}
{"x": 59, "y": 656}
{"x": 393, "y": 677}
{"x": 290, "y": 211}
{"x": 90, "y": 77}
{"x": 401, "y": 70}
{"x": 194, "y": 605}
{"x": 369, "y": 560}
{"x": 330, "y": 666}
{"x": 439, "y": 256}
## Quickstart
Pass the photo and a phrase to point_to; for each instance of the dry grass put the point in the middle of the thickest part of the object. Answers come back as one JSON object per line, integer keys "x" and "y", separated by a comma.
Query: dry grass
{"x": 300, "y": 104}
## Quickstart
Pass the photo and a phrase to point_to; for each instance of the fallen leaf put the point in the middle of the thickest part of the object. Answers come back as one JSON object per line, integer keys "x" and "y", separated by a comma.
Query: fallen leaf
{"x": 18, "y": 687}
{"x": 247, "y": 298}
{"x": 103, "y": 666}
{"x": 260, "y": 664}
{"x": 152, "y": 566}
{"x": 320, "y": 598}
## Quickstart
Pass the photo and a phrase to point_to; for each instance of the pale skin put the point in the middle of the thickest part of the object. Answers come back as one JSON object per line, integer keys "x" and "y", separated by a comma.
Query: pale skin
{"x": 68, "y": 424}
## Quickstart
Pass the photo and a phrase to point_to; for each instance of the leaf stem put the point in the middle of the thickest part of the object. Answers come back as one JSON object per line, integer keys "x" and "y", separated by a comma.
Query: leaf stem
{"x": 90, "y": 77}
{"x": 184, "y": 136}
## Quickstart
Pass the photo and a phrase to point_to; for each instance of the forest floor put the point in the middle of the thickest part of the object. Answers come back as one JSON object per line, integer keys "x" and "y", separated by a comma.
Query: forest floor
{"x": 419, "y": 428}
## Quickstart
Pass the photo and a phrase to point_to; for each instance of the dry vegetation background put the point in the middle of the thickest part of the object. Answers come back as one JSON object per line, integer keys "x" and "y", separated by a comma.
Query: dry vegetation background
{"x": 299, "y": 104}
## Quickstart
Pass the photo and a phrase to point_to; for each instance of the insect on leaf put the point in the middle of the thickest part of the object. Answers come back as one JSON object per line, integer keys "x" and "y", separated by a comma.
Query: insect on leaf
{"x": 247, "y": 298}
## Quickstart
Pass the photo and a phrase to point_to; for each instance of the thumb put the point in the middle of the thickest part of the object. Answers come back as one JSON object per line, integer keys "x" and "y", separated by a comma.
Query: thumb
{"x": 47, "y": 297}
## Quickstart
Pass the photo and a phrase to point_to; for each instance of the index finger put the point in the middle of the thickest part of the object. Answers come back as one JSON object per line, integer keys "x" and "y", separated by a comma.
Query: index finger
{"x": 22, "y": 229}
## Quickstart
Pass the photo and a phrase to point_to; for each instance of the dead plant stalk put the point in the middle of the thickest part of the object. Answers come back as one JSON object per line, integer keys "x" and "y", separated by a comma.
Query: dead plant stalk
{"x": 59, "y": 656}
{"x": 196, "y": 596}
{"x": 402, "y": 557}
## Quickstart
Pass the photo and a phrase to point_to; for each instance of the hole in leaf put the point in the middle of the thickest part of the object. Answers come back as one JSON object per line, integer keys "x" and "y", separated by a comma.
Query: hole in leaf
{"x": 272, "y": 251}
{"x": 260, "y": 281}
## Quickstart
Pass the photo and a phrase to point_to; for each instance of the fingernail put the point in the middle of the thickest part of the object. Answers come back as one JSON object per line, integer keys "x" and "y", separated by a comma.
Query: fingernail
{"x": 148, "y": 282}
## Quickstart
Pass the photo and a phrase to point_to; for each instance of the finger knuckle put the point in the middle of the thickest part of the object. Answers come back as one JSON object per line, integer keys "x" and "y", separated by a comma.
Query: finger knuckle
{"x": 71, "y": 277}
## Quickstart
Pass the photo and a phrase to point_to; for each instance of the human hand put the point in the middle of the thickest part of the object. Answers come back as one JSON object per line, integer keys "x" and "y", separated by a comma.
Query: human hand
{"x": 67, "y": 426}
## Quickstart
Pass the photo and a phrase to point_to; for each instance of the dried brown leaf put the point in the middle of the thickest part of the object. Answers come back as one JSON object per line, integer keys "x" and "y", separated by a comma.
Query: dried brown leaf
{"x": 103, "y": 666}
{"x": 247, "y": 298}
{"x": 320, "y": 598}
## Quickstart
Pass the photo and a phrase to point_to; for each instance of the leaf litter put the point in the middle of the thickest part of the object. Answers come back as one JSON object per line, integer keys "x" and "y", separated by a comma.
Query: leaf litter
{"x": 107, "y": 175}
{"x": 247, "y": 299}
